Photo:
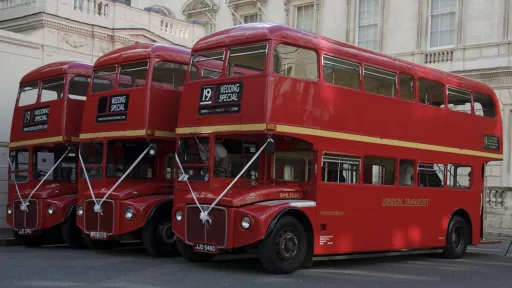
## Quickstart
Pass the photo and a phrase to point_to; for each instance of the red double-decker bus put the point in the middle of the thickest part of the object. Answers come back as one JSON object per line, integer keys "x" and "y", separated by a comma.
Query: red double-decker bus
{"x": 43, "y": 171}
{"x": 127, "y": 147}
{"x": 326, "y": 149}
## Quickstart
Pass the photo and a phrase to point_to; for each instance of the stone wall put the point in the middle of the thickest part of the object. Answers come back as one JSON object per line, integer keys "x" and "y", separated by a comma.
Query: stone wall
{"x": 18, "y": 54}
{"x": 498, "y": 212}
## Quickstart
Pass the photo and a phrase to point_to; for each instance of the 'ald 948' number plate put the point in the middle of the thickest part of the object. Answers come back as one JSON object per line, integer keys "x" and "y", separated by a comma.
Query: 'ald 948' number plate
{"x": 203, "y": 247}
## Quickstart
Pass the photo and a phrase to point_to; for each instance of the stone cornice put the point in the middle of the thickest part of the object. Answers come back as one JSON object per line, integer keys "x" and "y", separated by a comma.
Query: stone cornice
{"x": 496, "y": 78}
{"x": 42, "y": 20}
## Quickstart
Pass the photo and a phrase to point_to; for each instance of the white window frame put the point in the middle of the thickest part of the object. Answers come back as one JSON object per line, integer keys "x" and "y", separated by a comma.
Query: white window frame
{"x": 296, "y": 10}
{"x": 429, "y": 26}
{"x": 256, "y": 14}
{"x": 356, "y": 40}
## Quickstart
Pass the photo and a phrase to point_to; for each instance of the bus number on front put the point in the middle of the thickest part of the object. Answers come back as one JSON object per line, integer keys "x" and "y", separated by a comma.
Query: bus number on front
{"x": 206, "y": 95}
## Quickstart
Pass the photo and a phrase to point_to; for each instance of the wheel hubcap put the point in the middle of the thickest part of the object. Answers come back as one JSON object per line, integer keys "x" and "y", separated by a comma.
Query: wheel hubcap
{"x": 166, "y": 234}
{"x": 287, "y": 245}
{"x": 457, "y": 238}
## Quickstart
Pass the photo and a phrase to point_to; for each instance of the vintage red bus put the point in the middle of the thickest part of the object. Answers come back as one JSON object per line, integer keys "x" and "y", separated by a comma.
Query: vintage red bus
{"x": 127, "y": 147}
{"x": 327, "y": 150}
{"x": 42, "y": 187}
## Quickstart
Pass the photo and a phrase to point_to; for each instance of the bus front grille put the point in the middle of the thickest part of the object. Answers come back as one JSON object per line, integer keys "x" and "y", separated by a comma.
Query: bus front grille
{"x": 96, "y": 222}
{"x": 212, "y": 233}
{"x": 22, "y": 219}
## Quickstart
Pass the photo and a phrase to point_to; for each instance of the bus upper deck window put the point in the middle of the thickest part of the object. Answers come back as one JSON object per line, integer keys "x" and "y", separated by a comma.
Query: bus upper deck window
{"x": 28, "y": 94}
{"x": 78, "y": 86}
{"x": 133, "y": 75}
{"x": 103, "y": 79}
{"x": 52, "y": 89}
{"x": 248, "y": 60}
{"x": 295, "y": 62}
{"x": 208, "y": 63}
{"x": 169, "y": 75}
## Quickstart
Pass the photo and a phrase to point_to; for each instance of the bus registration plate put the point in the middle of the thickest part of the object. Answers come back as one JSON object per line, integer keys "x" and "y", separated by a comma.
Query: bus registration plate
{"x": 25, "y": 231}
{"x": 98, "y": 235}
{"x": 203, "y": 247}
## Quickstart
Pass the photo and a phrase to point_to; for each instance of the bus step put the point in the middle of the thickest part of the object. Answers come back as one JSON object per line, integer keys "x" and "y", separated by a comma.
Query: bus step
{"x": 404, "y": 252}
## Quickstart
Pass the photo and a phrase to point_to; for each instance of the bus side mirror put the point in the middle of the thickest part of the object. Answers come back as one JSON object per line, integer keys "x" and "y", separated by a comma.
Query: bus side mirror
{"x": 152, "y": 150}
{"x": 271, "y": 147}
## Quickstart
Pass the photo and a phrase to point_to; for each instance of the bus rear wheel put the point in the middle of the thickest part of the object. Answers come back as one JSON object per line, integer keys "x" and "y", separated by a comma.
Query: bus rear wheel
{"x": 457, "y": 238}
{"x": 191, "y": 255}
{"x": 285, "y": 250}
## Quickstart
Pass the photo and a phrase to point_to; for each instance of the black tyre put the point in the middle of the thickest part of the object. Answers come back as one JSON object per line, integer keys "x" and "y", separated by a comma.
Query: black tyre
{"x": 285, "y": 250}
{"x": 190, "y": 255}
{"x": 72, "y": 234}
{"x": 457, "y": 238}
{"x": 100, "y": 244}
{"x": 157, "y": 236}
{"x": 31, "y": 241}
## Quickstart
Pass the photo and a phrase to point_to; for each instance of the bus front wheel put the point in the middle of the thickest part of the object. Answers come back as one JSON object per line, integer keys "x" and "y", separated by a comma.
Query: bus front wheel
{"x": 285, "y": 250}
{"x": 457, "y": 238}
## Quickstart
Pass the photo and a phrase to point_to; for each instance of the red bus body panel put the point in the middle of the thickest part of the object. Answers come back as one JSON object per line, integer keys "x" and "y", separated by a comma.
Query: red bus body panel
{"x": 151, "y": 114}
{"x": 345, "y": 218}
{"x": 63, "y": 126}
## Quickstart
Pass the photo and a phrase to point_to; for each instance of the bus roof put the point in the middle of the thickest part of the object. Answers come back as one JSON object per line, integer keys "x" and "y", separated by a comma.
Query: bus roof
{"x": 139, "y": 51}
{"x": 56, "y": 69}
{"x": 255, "y": 32}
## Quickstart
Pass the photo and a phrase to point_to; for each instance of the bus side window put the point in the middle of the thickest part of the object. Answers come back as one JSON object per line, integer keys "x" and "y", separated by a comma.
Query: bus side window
{"x": 406, "y": 175}
{"x": 459, "y": 176}
{"x": 484, "y": 105}
{"x": 379, "y": 170}
{"x": 430, "y": 92}
{"x": 407, "y": 87}
{"x": 295, "y": 62}
{"x": 431, "y": 175}
{"x": 340, "y": 168}
{"x": 459, "y": 100}
{"x": 379, "y": 81}
{"x": 341, "y": 72}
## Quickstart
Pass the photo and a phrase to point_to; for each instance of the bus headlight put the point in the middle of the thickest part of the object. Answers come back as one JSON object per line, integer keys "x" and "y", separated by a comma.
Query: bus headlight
{"x": 128, "y": 213}
{"x": 50, "y": 209}
{"x": 246, "y": 222}
{"x": 79, "y": 210}
{"x": 178, "y": 216}
{"x": 9, "y": 210}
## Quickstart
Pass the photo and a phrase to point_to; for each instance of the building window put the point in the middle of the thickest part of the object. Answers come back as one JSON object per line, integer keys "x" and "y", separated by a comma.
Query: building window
{"x": 208, "y": 28}
{"x": 442, "y": 23}
{"x": 368, "y": 23}
{"x": 251, "y": 18}
{"x": 305, "y": 16}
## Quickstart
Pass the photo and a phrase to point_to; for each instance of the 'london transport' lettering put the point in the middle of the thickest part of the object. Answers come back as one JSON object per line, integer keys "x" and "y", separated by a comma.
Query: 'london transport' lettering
{"x": 405, "y": 202}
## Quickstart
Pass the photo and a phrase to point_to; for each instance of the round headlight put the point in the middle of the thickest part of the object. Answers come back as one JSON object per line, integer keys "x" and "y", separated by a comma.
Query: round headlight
{"x": 128, "y": 213}
{"x": 178, "y": 216}
{"x": 9, "y": 210}
{"x": 79, "y": 210}
{"x": 246, "y": 222}
{"x": 50, "y": 209}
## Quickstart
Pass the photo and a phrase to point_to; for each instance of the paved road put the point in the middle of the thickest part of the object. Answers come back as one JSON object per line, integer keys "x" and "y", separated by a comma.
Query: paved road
{"x": 484, "y": 266}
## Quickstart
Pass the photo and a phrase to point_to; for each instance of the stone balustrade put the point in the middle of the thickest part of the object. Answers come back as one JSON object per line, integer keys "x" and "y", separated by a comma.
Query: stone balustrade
{"x": 498, "y": 212}
{"x": 108, "y": 14}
